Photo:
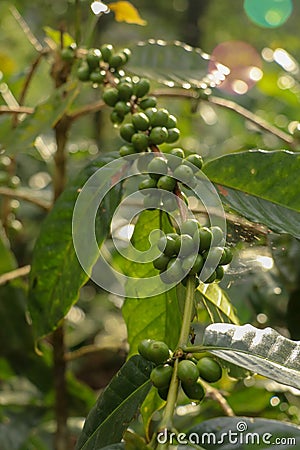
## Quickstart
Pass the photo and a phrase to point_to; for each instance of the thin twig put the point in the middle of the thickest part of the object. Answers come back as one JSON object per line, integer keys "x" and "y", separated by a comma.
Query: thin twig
{"x": 9, "y": 276}
{"x": 30, "y": 36}
{"x": 16, "y": 110}
{"x": 92, "y": 108}
{"x": 21, "y": 195}
{"x": 229, "y": 104}
{"x": 30, "y": 74}
{"x": 216, "y": 395}
{"x": 262, "y": 123}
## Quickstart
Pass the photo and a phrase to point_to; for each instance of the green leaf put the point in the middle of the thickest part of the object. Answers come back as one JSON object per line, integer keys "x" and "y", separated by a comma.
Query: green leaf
{"x": 117, "y": 405}
{"x": 227, "y": 433}
{"x": 55, "y": 36}
{"x": 45, "y": 116}
{"x": 134, "y": 442}
{"x": 153, "y": 402}
{"x": 269, "y": 175}
{"x": 215, "y": 295}
{"x": 159, "y": 60}
{"x": 278, "y": 218}
{"x": 56, "y": 274}
{"x": 156, "y": 317}
{"x": 18, "y": 349}
{"x": 263, "y": 351}
{"x": 7, "y": 260}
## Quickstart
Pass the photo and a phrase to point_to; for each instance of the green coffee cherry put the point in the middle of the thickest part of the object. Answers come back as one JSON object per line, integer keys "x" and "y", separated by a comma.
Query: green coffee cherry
{"x": 226, "y": 257}
{"x": 158, "y": 135}
{"x": 68, "y": 54}
{"x": 140, "y": 121}
{"x": 117, "y": 60}
{"x": 126, "y": 150}
{"x": 106, "y": 51}
{"x": 127, "y": 53}
{"x": 161, "y": 262}
{"x": 116, "y": 118}
{"x": 193, "y": 264}
{"x": 140, "y": 141}
{"x": 205, "y": 237}
{"x": 143, "y": 348}
{"x": 158, "y": 352}
{"x": 161, "y": 376}
{"x": 127, "y": 131}
{"x": 97, "y": 76}
{"x": 177, "y": 152}
{"x": 160, "y": 118}
{"x": 148, "y": 183}
{"x": 169, "y": 202}
{"x": 211, "y": 278}
{"x": 148, "y": 102}
{"x": 187, "y": 372}
{"x": 184, "y": 174}
{"x": 93, "y": 58}
{"x": 122, "y": 108}
{"x": 149, "y": 112}
{"x": 125, "y": 91}
{"x": 83, "y": 72}
{"x": 166, "y": 244}
{"x": 110, "y": 96}
{"x": 157, "y": 167}
{"x": 219, "y": 273}
{"x": 190, "y": 227}
{"x": 194, "y": 160}
{"x": 174, "y": 271}
{"x": 172, "y": 122}
{"x": 209, "y": 369}
{"x": 173, "y": 135}
{"x": 194, "y": 391}
{"x": 142, "y": 87}
{"x": 184, "y": 244}
{"x": 167, "y": 183}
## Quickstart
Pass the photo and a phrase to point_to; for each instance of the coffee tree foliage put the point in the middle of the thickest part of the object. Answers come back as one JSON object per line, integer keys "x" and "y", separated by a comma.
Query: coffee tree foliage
{"x": 191, "y": 194}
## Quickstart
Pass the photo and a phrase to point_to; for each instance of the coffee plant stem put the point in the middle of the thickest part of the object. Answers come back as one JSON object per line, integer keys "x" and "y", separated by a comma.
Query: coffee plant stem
{"x": 188, "y": 311}
{"x": 166, "y": 422}
{"x": 168, "y": 414}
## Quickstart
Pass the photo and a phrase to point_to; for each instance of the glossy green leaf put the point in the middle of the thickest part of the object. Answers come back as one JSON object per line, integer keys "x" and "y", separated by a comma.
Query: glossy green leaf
{"x": 241, "y": 433}
{"x": 135, "y": 442}
{"x": 263, "y": 351}
{"x": 156, "y": 317}
{"x": 45, "y": 116}
{"x": 153, "y": 402}
{"x": 117, "y": 405}
{"x": 159, "y": 60}
{"x": 56, "y": 275}
{"x": 278, "y": 218}
{"x": 213, "y": 295}
{"x": 268, "y": 175}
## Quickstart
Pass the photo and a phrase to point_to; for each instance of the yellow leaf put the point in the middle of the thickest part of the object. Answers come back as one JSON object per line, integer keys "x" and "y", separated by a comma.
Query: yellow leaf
{"x": 126, "y": 12}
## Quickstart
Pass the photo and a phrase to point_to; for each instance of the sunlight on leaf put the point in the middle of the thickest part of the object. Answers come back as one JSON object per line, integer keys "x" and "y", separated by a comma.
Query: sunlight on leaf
{"x": 55, "y": 36}
{"x": 126, "y": 12}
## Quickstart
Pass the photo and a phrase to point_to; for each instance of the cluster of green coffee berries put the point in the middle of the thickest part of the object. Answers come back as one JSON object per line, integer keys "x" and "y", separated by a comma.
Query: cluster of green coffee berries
{"x": 124, "y": 97}
{"x": 190, "y": 370}
{"x": 189, "y": 250}
{"x": 165, "y": 172}
{"x": 96, "y": 61}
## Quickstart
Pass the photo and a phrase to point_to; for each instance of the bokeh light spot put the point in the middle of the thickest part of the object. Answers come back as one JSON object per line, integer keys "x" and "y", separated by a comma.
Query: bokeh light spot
{"x": 244, "y": 63}
{"x": 268, "y": 13}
